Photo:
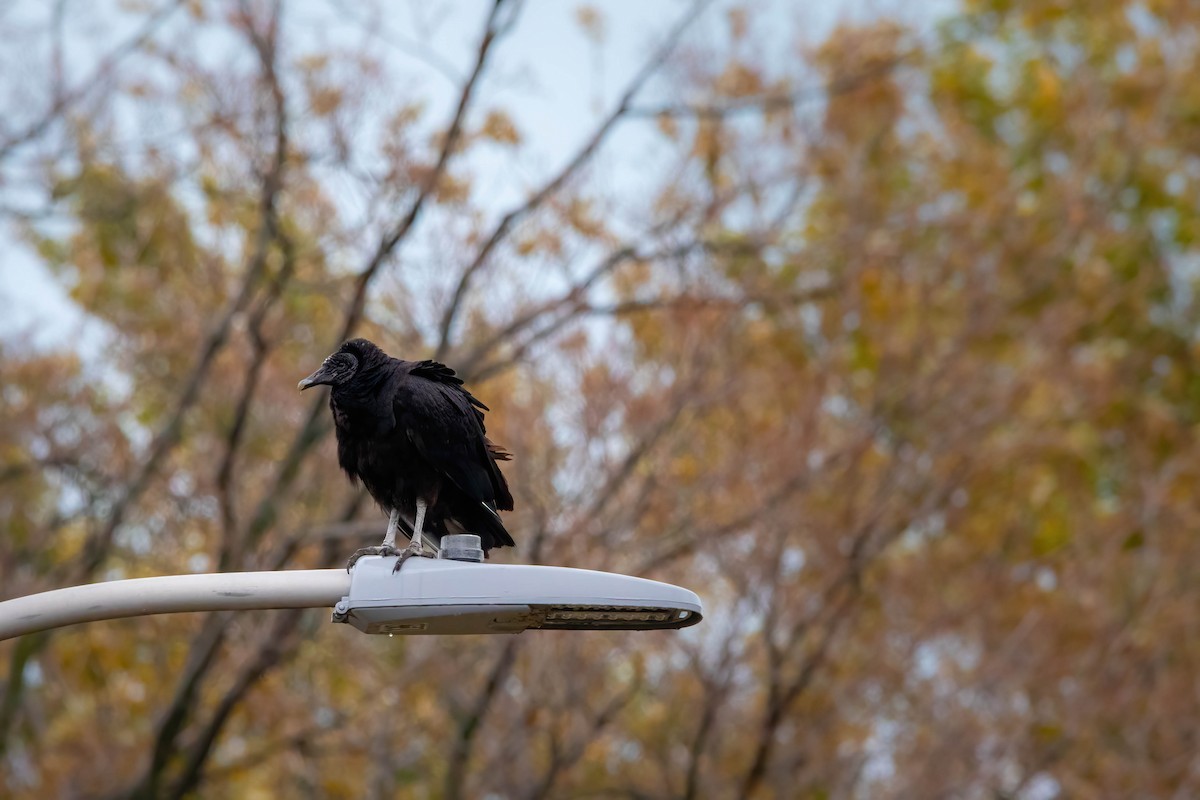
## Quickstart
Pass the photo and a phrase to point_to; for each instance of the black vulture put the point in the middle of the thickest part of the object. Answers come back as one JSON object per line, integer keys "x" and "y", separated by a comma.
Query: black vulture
{"x": 415, "y": 438}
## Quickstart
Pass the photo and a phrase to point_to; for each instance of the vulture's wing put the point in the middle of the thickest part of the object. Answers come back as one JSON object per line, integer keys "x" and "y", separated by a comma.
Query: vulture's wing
{"x": 444, "y": 422}
{"x": 440, "y": 373}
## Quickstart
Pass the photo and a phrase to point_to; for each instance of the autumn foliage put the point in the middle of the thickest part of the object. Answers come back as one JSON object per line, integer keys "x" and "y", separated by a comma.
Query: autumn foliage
{"x": 884, "y": 343}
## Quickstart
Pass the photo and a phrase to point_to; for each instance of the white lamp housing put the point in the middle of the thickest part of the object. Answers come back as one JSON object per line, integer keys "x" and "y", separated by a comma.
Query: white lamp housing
{"x": 429, "y": 596}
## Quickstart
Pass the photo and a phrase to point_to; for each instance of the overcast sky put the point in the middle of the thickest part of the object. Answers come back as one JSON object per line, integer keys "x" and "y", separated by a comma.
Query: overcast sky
{"x": 546, "y": 73}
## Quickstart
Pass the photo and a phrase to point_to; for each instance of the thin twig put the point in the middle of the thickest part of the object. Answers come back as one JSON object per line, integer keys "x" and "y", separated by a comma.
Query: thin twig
{"x": 775, "y": 101}
{"x": 585, "y": 153}
{"x": 388, "y": 243}
{"x": 65, "y": 99}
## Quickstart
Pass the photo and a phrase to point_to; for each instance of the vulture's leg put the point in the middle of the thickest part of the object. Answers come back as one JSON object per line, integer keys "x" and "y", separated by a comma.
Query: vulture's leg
{"x": 416, "y": 546}
{"x": 388, "y": 548}
{"x": 389, "y": 539}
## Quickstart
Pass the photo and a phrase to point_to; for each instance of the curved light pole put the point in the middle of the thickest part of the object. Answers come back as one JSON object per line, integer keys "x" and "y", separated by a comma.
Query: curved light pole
{"x": 428, "y": 596}
{"x": 235, "y": 591}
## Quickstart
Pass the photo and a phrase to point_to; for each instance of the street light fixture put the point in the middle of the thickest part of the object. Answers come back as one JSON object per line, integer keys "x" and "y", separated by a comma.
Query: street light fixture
{"x": 449, "y": 595}
{"x": 443, "y": 596}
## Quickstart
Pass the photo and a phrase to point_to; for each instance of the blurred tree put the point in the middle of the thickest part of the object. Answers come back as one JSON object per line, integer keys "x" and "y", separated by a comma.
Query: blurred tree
{"x": 892, "y": 354}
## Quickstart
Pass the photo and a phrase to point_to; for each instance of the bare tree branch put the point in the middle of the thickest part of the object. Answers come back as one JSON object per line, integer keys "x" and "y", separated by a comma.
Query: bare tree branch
{"x": 716, "y": 687}
{"x": 563, "y": 758}
{"x": 780, "y": 699}
{"x": 168, "y": 435}
{"x": 272, "y": 650}
{"x": 65, "y": 99}
{"x": 26, "y": 648}
{"x": 469, "y": 725}
{"x": 201, "y": 656}
{"x": 387, "y": 244}
{"x": 266, "y": 46}
{"x": 411, "y": 46}
{"x": 585, "y": 154}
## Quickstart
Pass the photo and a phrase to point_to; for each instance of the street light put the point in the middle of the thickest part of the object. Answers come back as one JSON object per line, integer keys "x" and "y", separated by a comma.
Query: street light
{"x": 445, "y": 596}
{"x": 453, "y": 594}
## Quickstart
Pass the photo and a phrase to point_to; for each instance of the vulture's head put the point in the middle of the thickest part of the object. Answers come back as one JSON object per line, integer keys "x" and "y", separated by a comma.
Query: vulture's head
{"x": 341, "y": 367}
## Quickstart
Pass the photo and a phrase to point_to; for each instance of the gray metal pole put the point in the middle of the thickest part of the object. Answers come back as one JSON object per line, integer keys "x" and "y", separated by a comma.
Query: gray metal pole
{"x": 300, "y": 588}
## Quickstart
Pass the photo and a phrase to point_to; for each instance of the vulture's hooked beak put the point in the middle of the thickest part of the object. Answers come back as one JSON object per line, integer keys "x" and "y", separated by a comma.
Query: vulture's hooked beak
{"x": 316, "y": 379}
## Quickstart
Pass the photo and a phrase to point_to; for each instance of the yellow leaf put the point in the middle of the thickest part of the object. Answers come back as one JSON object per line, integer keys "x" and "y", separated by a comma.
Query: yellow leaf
{"x": 499, "y": 127}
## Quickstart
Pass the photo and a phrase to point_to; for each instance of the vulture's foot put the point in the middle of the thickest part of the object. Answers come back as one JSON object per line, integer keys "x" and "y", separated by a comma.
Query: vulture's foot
{"x": 378, "y": 550}
{"x": 414, "y": 549}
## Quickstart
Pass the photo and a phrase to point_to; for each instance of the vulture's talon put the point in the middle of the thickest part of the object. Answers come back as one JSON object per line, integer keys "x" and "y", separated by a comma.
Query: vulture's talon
{"x": 409, "y": 552}
{"x": 378, "y": 550}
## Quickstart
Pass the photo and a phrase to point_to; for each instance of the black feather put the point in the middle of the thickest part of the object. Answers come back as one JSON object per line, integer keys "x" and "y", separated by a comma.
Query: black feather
{"x": 409, "y": 429}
